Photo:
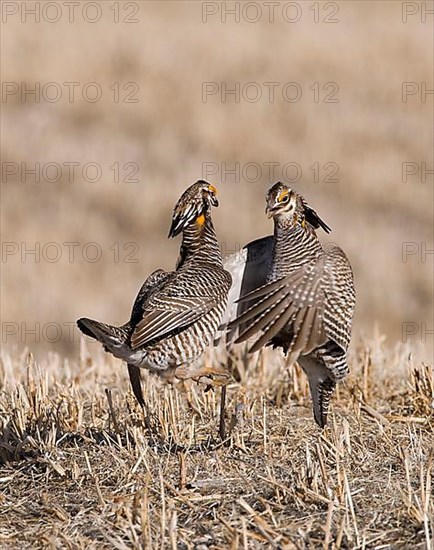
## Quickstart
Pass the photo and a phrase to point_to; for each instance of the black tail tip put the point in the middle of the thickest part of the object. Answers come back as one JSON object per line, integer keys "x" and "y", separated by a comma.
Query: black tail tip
{"x": 81, "y": 322}
{"x": 83, "y": 325}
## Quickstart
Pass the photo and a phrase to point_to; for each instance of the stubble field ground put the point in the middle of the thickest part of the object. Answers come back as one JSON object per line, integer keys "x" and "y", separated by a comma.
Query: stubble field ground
{"x": 84, "y": 470}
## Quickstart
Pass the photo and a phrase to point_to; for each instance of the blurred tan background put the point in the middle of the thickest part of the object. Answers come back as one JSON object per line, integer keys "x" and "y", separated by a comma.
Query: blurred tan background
{"x": 174, "y": 135}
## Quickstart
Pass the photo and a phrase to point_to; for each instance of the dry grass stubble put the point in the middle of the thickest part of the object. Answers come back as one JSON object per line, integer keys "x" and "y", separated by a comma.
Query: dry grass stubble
{"x": 80, "y": 470}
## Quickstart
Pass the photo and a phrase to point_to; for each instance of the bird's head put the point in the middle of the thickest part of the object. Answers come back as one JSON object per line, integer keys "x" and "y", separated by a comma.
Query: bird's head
{"x": 287, "y": 206}
{"x": 193, "y": 206}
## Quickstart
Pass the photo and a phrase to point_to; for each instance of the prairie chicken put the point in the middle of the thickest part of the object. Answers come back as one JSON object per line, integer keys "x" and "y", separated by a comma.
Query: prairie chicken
{"x": 307, "y": 300}
{"x": 175, "y": 314}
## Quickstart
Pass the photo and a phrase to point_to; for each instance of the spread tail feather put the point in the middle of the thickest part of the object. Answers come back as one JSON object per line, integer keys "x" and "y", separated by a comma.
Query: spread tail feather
{"x": 108, "y": 335}
{"x": 113, "y": 338}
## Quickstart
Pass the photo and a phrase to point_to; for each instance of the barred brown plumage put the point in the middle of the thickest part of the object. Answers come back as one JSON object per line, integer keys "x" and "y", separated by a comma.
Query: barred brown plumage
{"x": 305, "y": 303}
{"x": 176, "y": 314}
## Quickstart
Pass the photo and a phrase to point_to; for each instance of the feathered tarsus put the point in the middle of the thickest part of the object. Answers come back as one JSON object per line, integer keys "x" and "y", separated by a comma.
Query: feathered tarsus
{"x": 175, "y": 314}
{"x": 306, "y": 302}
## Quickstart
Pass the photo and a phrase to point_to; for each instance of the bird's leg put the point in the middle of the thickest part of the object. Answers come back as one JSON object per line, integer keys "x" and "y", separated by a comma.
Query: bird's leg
{"x": 216, "y": 376}
{"x": 222, "y": 425}
{"x": 213, "y": 376}
{"x": 186, "y": 385}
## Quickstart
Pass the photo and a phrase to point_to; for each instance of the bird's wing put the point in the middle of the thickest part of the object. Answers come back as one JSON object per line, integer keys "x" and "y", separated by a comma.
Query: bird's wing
{"x": 249, "y": 268}
{"x": 154, "y": 282}
{"x": 294, "y": 302}
{"x": 314, "y": 303}
{"x": 179, "y": 303}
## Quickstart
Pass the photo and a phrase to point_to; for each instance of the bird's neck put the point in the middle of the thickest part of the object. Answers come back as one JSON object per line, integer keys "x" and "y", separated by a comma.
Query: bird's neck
{"x": 199, "y": 241}
{"x": 294, "y": 246}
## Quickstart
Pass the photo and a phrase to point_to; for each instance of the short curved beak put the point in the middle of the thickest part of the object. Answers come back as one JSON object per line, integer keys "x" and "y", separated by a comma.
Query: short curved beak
{"x": 269, "y": 210}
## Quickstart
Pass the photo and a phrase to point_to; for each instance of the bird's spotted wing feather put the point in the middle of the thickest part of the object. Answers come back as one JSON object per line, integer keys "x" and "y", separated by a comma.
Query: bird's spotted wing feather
{"x": 312, "y": 304}
{"x": 293, "y": 302}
